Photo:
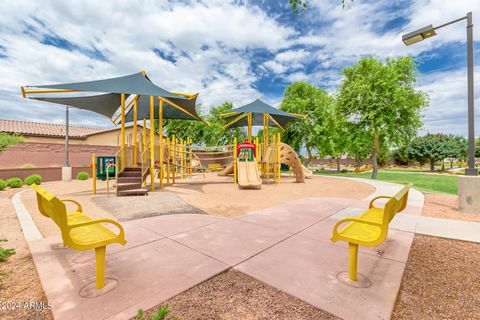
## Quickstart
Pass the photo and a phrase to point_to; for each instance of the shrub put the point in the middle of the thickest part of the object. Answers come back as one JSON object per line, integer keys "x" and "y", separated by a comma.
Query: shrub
{"x": 28, "y": 165}
{"x": 34, "y": 178}
{"x": 3, "y": 184}
{"x": 344, "y": 170}
{"x": 82, "y": 175}
{"x": 5, "y": 253}
{"x": 14, "y": 183}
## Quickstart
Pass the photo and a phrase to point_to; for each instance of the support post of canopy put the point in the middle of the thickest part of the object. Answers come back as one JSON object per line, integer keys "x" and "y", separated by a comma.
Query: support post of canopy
{"x": 169, "y": 150}
{"x": 265, "y": 142}
{"x": 160, "y": 140}
{"x": 122, "y": 132}
{"x": 278, "y": 158}
{"x": 174, "y": 160}
{"x": 235, "y": 160}
{"x": 250, "y": 127}
{"x": 152, "y": 143}
{"x": 135, "y": 148}
{"x": 144, "y": 148}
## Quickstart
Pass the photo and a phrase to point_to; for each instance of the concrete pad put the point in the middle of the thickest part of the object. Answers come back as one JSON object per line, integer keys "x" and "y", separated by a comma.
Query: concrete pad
{"x": 395, "y": 247}
{"x": 169, "y": 225}
{"x": 294, "y": 218}
{"x": 308, "y": 269}
{"x": 405, "y": 222}
{"x": 134, "y": 234}
{"x": 146, "y": 275}
{"x": 230, "y": 241}
{"x": 446, "y": 228}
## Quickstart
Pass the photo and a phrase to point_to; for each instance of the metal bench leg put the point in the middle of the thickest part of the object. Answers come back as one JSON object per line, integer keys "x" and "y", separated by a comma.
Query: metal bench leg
{"x": 100, "y": 266}
{"x": 353, "y": 254}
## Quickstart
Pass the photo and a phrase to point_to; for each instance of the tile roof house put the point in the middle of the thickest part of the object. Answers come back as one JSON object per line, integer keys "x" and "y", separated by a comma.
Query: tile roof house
{"x": 55, "y": 133}
{"x": 28, "y": 128}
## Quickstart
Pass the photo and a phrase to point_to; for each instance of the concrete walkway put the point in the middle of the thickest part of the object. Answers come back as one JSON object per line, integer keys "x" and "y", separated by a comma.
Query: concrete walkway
{"x": 286, "y": 246}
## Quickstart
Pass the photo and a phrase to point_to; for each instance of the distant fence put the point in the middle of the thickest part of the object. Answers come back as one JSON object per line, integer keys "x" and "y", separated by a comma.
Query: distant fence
{"x": 47, "y": 173}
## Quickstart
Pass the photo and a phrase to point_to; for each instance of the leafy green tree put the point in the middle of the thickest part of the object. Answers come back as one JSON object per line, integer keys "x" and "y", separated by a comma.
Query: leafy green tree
{"x": 380, "y": 99}
{"x": 7, "y": 140}
{"x": 202, "y": 134}
{"x": 430, "y": 149}
{"x": 313, "y": 131}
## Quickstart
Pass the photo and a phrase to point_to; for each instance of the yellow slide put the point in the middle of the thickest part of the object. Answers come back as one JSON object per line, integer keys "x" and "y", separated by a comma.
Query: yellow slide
{"x": 248, "y": 175}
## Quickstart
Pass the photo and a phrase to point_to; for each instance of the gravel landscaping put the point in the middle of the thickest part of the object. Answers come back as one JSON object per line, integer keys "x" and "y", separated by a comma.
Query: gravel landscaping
{"x": 441, "y": 281}
{"x": 446, "y": 207}
{"x": 234, "y": 295}
{"x": 19, "y": 282}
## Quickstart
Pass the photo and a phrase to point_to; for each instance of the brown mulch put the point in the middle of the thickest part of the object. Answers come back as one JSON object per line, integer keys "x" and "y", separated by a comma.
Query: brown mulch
{"x": 235, "y": 295}
{"x": 441, "y": 280}
{"x": 446, "y": 207}
{"x": 19, "y": 282}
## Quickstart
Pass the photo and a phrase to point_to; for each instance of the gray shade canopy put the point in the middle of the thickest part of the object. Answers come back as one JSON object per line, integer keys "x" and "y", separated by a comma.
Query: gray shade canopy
{"x": 258, "y": 108}
{"x": 136, "y": 83}
{"x": 104, "y": 104}
{"x": 109, "y": 103}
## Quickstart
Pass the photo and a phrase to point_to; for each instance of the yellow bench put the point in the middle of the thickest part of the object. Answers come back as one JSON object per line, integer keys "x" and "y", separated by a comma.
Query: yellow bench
{"x": 370, "y": 228}
{"x": 215, "y": 167}
{"x": 79, "y": 231}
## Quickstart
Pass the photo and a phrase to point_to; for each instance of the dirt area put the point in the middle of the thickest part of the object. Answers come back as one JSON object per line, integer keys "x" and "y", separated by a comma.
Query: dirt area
{"x": 445, "y": 207}
{"x": 441, "y": 281}
{"x": 19, "y": 282}
{"x": 219, "y": 196}
{"x": 234, "y": 295}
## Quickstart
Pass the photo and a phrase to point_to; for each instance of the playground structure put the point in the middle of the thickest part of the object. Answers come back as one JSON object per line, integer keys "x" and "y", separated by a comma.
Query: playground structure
{"x": 150, "y": 155}
{"x": 268, "y": 155}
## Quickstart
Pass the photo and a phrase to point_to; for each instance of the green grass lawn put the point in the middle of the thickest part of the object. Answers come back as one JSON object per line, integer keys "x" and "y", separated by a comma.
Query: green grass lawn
{"x": 424, "y": 182}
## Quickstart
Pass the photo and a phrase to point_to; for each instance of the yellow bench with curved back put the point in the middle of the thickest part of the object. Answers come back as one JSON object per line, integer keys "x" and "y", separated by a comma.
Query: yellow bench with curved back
{"x": 371, "y": 228}
{"x": 79, "y": 231}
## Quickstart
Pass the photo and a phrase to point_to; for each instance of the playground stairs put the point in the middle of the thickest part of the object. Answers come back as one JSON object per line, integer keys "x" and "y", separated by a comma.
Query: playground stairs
{"x": 130, "y": 182}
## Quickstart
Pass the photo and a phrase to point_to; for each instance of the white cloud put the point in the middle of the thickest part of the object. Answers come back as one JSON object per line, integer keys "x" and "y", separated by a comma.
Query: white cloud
{"x": 206, "y": 39}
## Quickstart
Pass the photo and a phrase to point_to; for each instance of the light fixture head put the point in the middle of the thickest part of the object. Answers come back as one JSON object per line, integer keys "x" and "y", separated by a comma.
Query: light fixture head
{"x": 418, "y": 35}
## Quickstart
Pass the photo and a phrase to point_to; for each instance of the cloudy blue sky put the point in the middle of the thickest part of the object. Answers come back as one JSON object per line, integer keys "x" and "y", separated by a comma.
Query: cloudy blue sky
{"x": 227, "y": 50}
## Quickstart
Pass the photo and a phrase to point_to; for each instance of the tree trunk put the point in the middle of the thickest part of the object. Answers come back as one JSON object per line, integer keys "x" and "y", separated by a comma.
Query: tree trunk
{"x": 376, "y": 148}
{"x": 338, "y": 164}
{"x": 451, "y": 163}
{"x": 432, "y": 165}
{"x": 309, "y": 152}
{"x": 443, "y": 165}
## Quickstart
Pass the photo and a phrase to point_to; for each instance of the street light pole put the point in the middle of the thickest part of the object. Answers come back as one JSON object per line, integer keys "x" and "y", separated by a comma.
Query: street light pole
{"x": 429, "y": 31}
{"x": 471, "y": 170}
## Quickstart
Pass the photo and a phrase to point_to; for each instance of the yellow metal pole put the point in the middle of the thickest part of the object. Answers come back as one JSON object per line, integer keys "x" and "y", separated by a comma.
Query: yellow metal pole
{"x": 256, "y": 148}
{"x": 184, "y": 164}
{"x": 122, "y": 131}
{"x": 353, "y": 255}
{"x": 279, "y": 165}
{"x": 152, "y": 143}
{"x": 94, "y": 173}
{"x": 250, "y": 127}
{"x": 235, "y": 160}
{"x": 190, "y": 169}
{"x": 174, "y": 168}
{"x": 168, "y": 160}
{"x": 135, "y": 147}
{"x": 144, "y": 140}
{"x": 160, "y": 140}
